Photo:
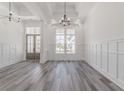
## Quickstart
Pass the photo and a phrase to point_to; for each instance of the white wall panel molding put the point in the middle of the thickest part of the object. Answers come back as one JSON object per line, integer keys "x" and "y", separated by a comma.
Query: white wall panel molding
{"x": 117, "y": 60}
{"x": 120, "y": 54}
{"x": 104, "y": 57}
{"x": 11, "y": 34}
{"x": 113, "y": 58}
{"x": 9, "y": 54}
{"x": 108, "y": 58}
{"x": 101, "y": 56}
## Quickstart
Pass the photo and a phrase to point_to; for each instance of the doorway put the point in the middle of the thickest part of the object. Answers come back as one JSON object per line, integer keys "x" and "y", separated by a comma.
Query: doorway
{"x": 33, "y": 44}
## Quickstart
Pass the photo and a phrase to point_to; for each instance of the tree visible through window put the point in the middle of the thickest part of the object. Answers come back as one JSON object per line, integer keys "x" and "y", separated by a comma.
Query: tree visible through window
{"x": 65, "y": 41}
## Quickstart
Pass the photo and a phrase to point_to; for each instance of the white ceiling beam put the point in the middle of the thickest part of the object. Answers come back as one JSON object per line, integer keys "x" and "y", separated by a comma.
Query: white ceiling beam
{"x": 45, "y": 10}
{"x": 39, "y": 9}
{"x": 34, "y": 9}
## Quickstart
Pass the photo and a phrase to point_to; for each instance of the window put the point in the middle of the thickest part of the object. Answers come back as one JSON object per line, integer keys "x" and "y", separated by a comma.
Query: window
{"x": 33, "y": 30}
{"x": 65, "y": 41}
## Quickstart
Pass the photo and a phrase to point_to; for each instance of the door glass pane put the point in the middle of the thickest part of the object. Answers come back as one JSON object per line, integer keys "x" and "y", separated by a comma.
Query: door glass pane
{"x": 37, "y": 44}
{"x": 30, "y": 44}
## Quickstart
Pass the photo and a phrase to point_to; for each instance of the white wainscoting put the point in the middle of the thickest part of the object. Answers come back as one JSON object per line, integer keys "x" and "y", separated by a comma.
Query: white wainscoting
{"x": 107, "y": 58}
{"x": 10, "y": 54}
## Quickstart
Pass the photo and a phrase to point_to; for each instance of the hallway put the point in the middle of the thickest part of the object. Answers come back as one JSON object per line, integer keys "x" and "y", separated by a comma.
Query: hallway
{"x": 53, "y": 76}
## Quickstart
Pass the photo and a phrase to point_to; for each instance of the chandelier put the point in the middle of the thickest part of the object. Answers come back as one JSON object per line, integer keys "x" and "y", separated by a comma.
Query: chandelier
{"x": 11, "y": 16}
{"x": 65, "y": 21}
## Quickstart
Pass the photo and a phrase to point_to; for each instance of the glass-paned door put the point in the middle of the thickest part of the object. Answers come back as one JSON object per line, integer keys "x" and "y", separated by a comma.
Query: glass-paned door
{"x": 33, "y": 46}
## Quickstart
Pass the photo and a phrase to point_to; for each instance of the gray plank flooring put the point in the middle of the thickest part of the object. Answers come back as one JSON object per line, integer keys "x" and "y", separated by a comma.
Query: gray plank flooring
{"x": 53, "y": 76}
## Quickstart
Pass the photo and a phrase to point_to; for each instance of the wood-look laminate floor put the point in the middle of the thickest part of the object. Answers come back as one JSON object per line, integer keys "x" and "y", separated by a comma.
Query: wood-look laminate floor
{"x": 53, "y": 76}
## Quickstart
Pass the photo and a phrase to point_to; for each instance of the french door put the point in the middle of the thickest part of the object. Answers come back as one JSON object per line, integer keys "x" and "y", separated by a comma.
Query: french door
{"x": 33, "y": 46}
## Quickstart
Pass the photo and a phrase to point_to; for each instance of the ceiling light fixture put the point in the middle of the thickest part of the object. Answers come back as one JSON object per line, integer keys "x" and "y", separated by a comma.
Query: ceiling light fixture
{"x": 11, "y": 17}
{"x": 65, "y": 21}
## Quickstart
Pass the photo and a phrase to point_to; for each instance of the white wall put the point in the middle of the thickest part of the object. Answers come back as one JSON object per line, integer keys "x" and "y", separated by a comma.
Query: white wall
{"x": 11, "y": 41}
{"x": 104, "y": 34}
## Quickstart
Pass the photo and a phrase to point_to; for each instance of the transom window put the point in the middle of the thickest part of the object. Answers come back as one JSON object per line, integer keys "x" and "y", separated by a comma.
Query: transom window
{"x": 33, "y": 30}
{"x": 65, "y": 41}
